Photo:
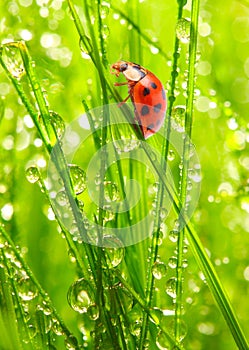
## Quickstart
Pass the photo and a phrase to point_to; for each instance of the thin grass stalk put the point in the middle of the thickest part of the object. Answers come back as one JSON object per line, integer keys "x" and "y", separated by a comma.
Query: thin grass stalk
{"x": 185, "y": 161}
{"x": 161, "y": 189}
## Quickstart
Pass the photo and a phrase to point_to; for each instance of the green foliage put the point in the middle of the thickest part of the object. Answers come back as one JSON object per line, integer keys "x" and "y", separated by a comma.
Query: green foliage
{"x": 167, "y": 291}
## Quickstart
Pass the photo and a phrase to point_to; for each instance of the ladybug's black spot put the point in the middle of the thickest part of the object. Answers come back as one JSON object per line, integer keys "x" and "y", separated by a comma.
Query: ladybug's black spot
{"x": 163, "y": 94}
{"x": 146, "y": 91}
{"x": 153, "y": 85}
{"x": 157, "y": 108}
{"x": 145, "y": 110}
{"x": 150, "y": 127}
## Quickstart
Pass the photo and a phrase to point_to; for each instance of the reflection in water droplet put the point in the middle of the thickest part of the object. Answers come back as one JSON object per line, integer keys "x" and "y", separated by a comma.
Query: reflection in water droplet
{"x": 183, "y": 30}
{"x": 80, "y": 296}
{"x": 115, "y": 251}
{"x": 171, "y": 287}
{"x": 32, "y": 174}
{"x": 78, "y": 177}
{"x": 159, "y": 270}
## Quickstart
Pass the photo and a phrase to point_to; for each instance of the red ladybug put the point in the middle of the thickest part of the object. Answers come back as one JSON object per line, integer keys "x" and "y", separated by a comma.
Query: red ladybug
{"x": 147, "y": 95}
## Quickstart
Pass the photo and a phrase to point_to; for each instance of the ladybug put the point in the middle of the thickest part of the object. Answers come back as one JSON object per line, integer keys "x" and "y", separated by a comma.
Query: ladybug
{"x": 147, "y": 95}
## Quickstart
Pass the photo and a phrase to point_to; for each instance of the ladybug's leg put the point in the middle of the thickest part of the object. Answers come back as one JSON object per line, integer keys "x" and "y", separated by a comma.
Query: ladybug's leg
{"x": 123, "y": 102}
{"x": 120, "y": 84}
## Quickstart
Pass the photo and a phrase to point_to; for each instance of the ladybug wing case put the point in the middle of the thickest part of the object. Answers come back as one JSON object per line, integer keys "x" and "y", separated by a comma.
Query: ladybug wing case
{"x": 148, "y": 97}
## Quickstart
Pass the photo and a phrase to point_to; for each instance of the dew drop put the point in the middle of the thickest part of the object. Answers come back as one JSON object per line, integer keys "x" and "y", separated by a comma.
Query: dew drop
{"x": 26, "y": 289}
{"x": 105, "y": 31}
{"x": 183, "y": 30}
{"x": 178, "y": 116}
{"x": 86, "y": 48}
{"x": 56, "y": 327}
{"x": 114, "y": 252}
{"x": 61, "y": 198}
{"x": 172, "y": 262}
{"x": 171, "y": 155}
{"x": 11, "y": 57}
{"x": 71, "y": 343}
{"x": 171, "y": 287}
{"x": 111, "y": 191}
{"x": 58, "y": 124}
{"x": 173, "y": 235}
{"x": 80, "y": 296}
{"x": 159, "y": 270}
{"x": 32, "y": 174}
{"x": 78, "y": 177}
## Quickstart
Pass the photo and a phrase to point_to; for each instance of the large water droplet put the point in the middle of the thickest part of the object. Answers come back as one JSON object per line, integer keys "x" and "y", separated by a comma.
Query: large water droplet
{"x": 78, "y": 177}
{"x": 58, "y": 124}
{"x": 171, "y": 287}
{"x": 80, "y": 296}
{"x": 178, "y": 116}
{"x": 159, "y": 270}
{"x": 32, "y": 174}
{"x": 13, "y": 60}
{"x": 183, "y": 30}
{"x": 115, "y": 251}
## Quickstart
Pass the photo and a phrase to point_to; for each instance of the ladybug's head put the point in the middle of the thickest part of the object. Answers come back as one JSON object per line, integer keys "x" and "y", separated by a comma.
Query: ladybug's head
{"x": 131, "y": 71}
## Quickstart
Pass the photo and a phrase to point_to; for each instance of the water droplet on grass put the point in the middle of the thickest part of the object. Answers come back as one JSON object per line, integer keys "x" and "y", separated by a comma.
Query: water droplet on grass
{"x": 71, "y": 343}
{"x": 32, "y": 174}
{"x": 115, "y": 251}
{"x": 173, "y": 235}
{"x": 111, "y": 191}
{"x": 13, "y": 60}
{"x": 183, "y": 30}
{"x": 58, "y": 124}
{"x": 171, "y": 287}
{"x": 172, "y": 262}
{"x": 26, "y": 289}
{"x": 78, "y": 177}
{"x": 80, "y": 296}
{"x": 159, "y": 270}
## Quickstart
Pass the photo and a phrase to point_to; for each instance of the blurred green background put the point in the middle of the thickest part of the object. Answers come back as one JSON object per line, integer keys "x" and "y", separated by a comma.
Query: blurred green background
{"x": 220, "y": 133}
